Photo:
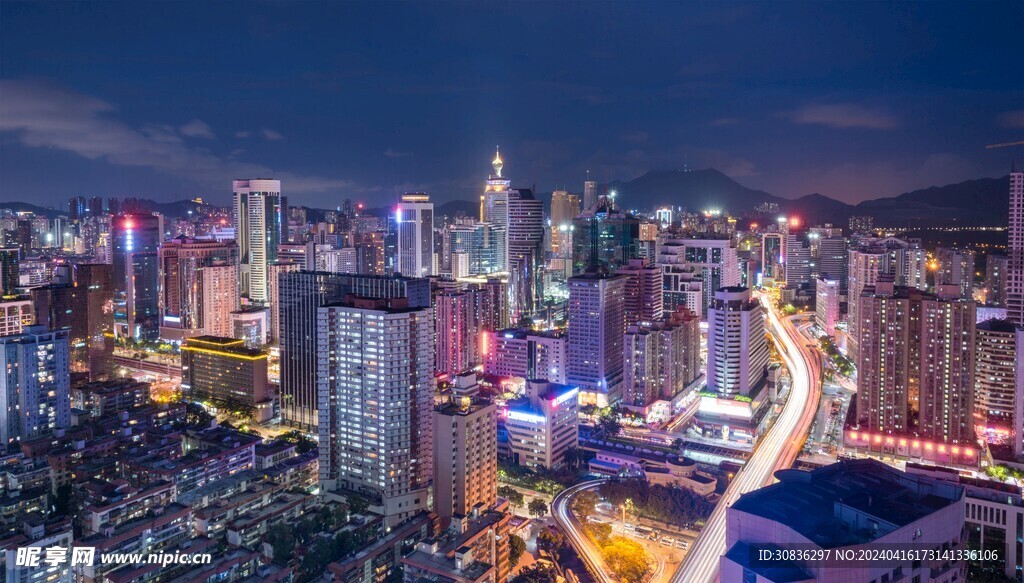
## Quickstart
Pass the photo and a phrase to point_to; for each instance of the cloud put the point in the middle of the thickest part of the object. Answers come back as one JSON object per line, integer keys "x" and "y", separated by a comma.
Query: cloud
{"x": 271, "y": 135}
{"x": 43, "y": 115}
{"x": 392, "y": 153}
{"x": 196, "y": 129}
{"x": 242, "y": 134}
{"x": 845, "y": 115}
{"x": 1012, "y": 119}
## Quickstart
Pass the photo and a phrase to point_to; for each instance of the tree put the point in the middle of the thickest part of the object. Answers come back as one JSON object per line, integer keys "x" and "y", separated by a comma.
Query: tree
{"x": 573, "y": 457}
{"x": 626, "y": 558}
{"x": 516, "y": 548}
{"x": 357, "y": 505}
{"x": 609, "y": 423}
{"x": 282, "y": 540}
{"x": 550, "y": 541}
{"x": 514, "y": 497}
{"x": 601, "y": 531}
{"x": 537, "y": 507}
{"x": 536, "y": 574}
{"x": 584, "y": 504}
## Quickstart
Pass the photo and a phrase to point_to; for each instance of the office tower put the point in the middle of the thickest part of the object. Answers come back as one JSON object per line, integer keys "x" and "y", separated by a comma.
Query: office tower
{"x": 956, "y": 267}
{"x": 543, "y": 424}
{"x": 135, "y": 240}
{"x": 604, "y": 235}
{"x": 664, "y": 216}
{"x": 915, "y": 342}
{"x": 465, "y": 456}
{"x": 798, "y": 260}
{"x": 713, "y": 260}
{"x": 336, "y": 260}
{"x": 523, "y": 353}
{"x": 9, "y": 276}
{"x": 995, "y": 382}
{"x": 251, "y": 324}
{"x": 773, "y": 256}
{"x": 597, "y": 320}
{"x": 273, "y": 296}
{"x": 491, "y": 303}
{"x": 301, "y": 293}
{"x": 496, "y": 195}
{"x": 683, "y": 288}
{"x": 184, "y": 266}
{"x": 818, "y": 510}
{"x": 1015, "y": 251}
{"x": 95, "y": 205}
{"x": 865, "y": 267}
{"x": 76, "y": 208}
{"x": 375, "y": 379}
{"x": 456, "y": 330}
{"x": 833, "y": 260}
{"x": 414, "y": 232}
{"x": 996, "y": 267}
{"x": 482, "y": 243}
{"x": 525, "y": 253}
{"x": 225, "y": 372}
{"x": 79, "y": 301}
{"x": 826, "y": 304}
{"x": 564, "y": 208}
{"x": 589, "y": 194}
{"x": 644, "y": 291}
{"x": 660, "y": 359}
{"x": 35, "y": 386}
{"x": 861, "y": 224}
{"x": 370, "y": 257}
{"x": 261, "y": 224}
{"x": 737, "y": 348}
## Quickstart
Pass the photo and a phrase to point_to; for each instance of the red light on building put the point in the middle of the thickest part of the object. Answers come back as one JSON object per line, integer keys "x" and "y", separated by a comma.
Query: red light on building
{"x": 794, "y": 221}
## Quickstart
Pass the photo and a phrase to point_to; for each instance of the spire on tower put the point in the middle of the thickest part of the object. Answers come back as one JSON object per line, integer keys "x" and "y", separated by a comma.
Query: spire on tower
{"x": 497, "y": 163}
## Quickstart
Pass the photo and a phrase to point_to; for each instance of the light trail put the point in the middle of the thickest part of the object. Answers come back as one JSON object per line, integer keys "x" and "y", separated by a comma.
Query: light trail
{"x": 778, "y": 449}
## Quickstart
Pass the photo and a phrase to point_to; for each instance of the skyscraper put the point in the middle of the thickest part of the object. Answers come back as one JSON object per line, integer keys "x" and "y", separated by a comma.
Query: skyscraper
{"x": 375, "y": 380}
{"x": 525, "y": 252}
{"x": 523, "y": 353}
{"x": 496, "y": 195}
{"x": 465, "y": 432}
{"x": 456, "y": 333}
{"x": 589, "y": 194}
{"x": 737, "y": 348}
{"x": 35, "y": 386}
{"x": 713, "y": 260}
{"x": 414, "y": 231}
{"x": 865, "y": 267}
{"x": 661, "y": 359}
{"x": 995, "y": 383}
{"x": 135, "y": 240}
{"x": 834, "y": 260}
{"x": 184, "y": 265}
{"x": 9, "y": 277}
{"x": 564, "y": 208}
{"x": 597, "y": 321}
{"x": 915, "y": 364}
{"x": 1015, "y": 251}
{"x": 956, "y": 267}
{"x": 483, "y": 244}
{"x": 826, "y": 300}
{"x": 301, "y": 294}
{"x": 604, "y": 235}
{"x": 261, "y": 224}
{"x": 996, "y": 267}
{"x": 644, "y": 291}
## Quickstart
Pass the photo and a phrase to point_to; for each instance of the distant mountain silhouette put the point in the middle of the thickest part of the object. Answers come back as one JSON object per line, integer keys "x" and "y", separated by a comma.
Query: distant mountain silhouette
{"x": 979, "y": 202}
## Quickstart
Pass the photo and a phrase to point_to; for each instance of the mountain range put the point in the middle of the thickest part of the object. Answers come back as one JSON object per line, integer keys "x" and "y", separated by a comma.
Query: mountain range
{"x": 979, "y": 202}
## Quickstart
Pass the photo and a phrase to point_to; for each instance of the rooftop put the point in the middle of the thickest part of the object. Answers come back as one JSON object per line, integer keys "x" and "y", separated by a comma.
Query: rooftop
{"x": 818, "y": 504}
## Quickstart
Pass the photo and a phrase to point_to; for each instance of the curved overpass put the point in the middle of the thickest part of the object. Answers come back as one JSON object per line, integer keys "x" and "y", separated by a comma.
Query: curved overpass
{"x": 777, "y": 449}
{"x": 573, "y": 530}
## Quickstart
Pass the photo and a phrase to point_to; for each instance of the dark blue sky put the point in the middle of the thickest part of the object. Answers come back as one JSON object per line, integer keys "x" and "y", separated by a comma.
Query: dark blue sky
{"x": 172, "y": 100}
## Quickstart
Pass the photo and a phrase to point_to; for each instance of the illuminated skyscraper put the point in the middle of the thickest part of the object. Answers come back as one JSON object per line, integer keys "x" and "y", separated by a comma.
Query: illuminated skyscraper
{"x": 134, "y": 241}
{"x": 456, "y": 332}
{"x": 261, "y": 224}
{"x": 525, "y": 252}
{"x": 414, "y": 231}
{"x": 737, "y": 348}
{"x": 1015, "y": 251}
{"x": 184, "y": 265}
{"x": 597, "y": 321}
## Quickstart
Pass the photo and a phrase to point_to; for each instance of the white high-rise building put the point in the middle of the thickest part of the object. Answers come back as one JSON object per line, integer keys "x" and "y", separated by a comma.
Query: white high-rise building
{"x": 597, "y": 321}
{"x": 524, "y": 353}
{"x": 713, "y": 260}
{"x": 1015, "y": 251}
{"x": 589, "y": 195}
{"x": 456, "y": 333}
{"x": 865, "y": 265}
{"x": 35, "y": 384}
{"x": 375, "y": 381}
{"x": 220, "y": 299}
{"x": 261, "y": 224}
{"x": 826, "y": 304}
{"x": 414, "y": 228}
{"x": 496, "y": 195}
{"x": 737, "y": 348}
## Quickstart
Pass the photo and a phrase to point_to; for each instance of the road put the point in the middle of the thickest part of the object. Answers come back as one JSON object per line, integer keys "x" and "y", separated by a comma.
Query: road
{"x": 777, "y": 449}
{"x": 156, "y": 368}
{"x": 574, "y": 531}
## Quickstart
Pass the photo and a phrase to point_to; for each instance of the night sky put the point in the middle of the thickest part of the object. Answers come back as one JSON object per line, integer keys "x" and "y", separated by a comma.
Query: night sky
{"x": 173, "y": 100}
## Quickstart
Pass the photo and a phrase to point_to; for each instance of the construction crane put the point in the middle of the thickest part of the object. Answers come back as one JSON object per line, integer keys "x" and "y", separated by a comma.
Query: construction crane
{"x": 1005, "y": 145}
